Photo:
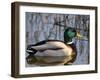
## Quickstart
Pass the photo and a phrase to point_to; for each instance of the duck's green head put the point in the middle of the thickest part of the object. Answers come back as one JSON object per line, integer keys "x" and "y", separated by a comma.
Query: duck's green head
{"x": 70, "y": 33}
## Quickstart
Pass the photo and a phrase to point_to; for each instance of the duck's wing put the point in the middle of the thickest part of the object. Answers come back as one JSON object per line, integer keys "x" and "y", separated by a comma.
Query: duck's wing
{"x": 48, "y": 45}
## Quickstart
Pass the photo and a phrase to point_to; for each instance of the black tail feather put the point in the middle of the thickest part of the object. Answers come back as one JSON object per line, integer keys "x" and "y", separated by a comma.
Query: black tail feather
{"x": 31, "y": 50}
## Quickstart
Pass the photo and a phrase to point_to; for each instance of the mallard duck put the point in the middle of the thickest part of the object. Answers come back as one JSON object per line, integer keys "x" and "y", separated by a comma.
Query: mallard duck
{"x": 54, "y": 52}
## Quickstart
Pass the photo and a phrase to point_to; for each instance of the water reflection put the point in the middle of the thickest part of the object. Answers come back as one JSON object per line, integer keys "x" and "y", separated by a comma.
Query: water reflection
{"x": 47, "y": 60}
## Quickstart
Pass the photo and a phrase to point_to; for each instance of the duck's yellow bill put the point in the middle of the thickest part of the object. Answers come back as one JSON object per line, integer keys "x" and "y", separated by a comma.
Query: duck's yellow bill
{"x": 79, "y": 36}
